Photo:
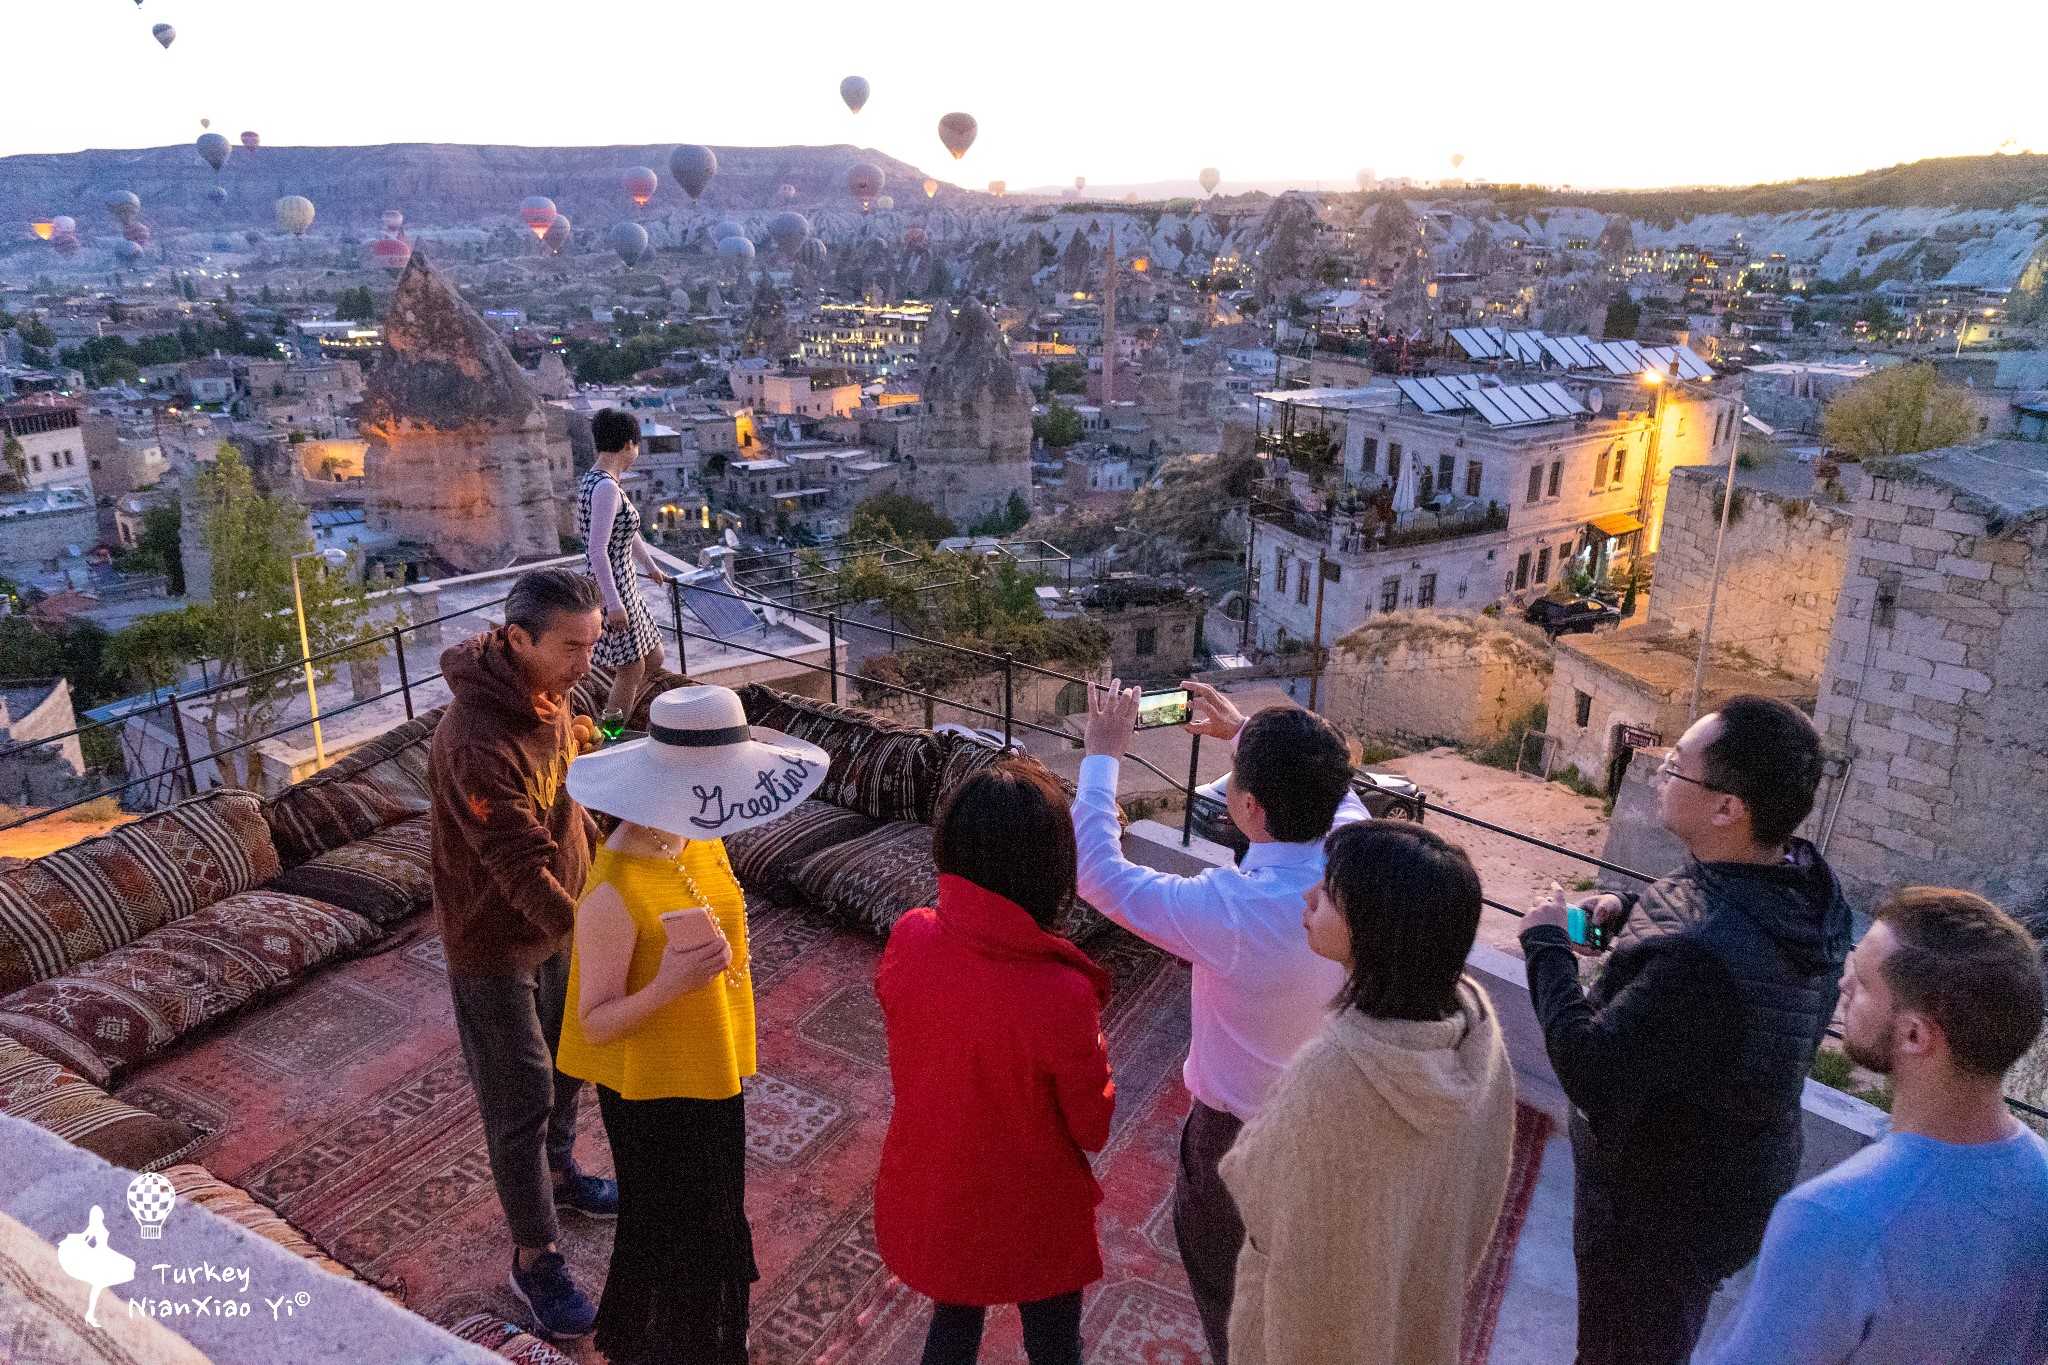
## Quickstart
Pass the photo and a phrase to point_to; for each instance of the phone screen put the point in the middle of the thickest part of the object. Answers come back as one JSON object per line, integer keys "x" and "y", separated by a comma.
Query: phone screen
{"x": 1156, "y": 709}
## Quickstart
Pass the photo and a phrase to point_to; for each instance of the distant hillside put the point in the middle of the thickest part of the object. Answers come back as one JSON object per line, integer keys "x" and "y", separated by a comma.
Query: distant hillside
{"x": 1966, "y": 182}
{"x": 435, "y": 184}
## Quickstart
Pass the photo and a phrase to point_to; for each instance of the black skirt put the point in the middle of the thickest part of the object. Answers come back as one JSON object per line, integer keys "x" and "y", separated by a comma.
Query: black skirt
{"x": 678, "y": 1290}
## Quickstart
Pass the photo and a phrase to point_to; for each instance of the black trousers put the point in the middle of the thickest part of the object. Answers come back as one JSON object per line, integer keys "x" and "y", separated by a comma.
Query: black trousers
{"x": 1052, "y": 1332}
{"x": 1205, "y": 1223}
{"x": 1642, "y": 1298}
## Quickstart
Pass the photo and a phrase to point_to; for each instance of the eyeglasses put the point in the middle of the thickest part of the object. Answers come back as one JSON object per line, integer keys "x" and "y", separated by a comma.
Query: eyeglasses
{"x": 1665, "y": 769}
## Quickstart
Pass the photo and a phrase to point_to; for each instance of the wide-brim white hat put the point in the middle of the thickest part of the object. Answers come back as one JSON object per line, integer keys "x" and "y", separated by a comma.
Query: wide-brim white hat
{"x": 701, "y": 771}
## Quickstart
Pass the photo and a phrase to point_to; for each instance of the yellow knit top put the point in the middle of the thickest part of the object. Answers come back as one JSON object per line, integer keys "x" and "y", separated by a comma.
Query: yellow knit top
{"x": 699, "y": 1045}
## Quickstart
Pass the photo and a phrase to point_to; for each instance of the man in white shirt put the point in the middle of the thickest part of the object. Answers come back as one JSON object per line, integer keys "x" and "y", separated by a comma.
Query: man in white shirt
{"x": 1259, "y": 991}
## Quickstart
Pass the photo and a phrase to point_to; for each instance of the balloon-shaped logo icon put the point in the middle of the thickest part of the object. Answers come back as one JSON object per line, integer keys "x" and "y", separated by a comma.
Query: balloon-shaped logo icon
{"x": 150, "y": 1197}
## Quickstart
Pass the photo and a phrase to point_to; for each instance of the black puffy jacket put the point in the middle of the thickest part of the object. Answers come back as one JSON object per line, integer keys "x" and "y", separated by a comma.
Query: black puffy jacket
{"x": 1689, "y": 1055}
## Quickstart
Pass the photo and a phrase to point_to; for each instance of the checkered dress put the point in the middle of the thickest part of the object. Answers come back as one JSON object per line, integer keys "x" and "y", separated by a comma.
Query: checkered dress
{"x": 640, "y": 638}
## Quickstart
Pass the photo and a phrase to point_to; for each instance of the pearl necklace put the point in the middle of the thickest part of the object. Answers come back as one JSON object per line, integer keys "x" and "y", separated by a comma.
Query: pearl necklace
{"x": 735, "y": 976}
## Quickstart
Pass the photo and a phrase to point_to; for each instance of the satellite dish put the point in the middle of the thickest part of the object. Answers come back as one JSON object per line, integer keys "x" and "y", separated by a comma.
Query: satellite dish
{"x": 1594, "y": 401}
{"x": 732, "y": 538}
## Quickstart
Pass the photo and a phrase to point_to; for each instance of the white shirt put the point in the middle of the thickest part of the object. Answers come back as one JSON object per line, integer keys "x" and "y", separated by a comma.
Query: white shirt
{"x": 1259, "y": 991}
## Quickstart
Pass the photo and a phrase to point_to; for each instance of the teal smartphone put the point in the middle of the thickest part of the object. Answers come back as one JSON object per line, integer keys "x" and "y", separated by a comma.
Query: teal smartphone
{"x": 1580, "y": 926}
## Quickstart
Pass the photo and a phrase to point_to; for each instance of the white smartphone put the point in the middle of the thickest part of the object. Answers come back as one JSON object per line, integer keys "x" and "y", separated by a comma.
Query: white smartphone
{"x": 692, "y": 928}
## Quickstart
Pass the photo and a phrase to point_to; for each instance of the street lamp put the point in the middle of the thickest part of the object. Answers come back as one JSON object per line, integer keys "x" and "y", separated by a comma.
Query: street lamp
{"x": 333, "y": 558}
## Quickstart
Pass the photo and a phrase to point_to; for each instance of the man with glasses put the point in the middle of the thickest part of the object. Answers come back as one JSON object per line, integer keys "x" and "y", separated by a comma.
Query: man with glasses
{"x": 1686, "y": 1061}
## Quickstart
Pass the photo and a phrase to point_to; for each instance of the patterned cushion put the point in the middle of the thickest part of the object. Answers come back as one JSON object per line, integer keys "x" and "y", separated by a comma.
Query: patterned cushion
{"x": 197, "y": 1185}
{"x": 377, "y": 784}
{"x": 383, "y": 877}
{"x": 765, "y": 857}
{"x": 501, "y": 1338}
{"x": 883, "y": 770}
{"x": 120, "y": 1009}
{"x": 34, "y": 1088}
{"x": 71, "y": 906}
{"x": 872, "y": 880}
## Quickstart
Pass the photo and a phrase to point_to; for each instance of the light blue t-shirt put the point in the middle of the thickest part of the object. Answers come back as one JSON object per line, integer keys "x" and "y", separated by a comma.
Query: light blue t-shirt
{"x": 1912, "y": 1251}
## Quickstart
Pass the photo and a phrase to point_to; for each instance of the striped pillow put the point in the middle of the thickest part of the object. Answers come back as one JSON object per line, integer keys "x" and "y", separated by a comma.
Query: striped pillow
{"x": 883, "y": 770}
{"x": 73, "y": 905}
{"x": 52, "y": 1096}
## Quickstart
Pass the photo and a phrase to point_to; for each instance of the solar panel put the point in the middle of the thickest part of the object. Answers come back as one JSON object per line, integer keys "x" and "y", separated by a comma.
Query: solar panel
{"x": 1521, "y": 404}
{"x": 1527, "y": 347}
{"x": 1690, "y": 366}
{"x": 722, "y": 616}
{"x": 1476, "y": 343}
{"x": 1433, "y": 395}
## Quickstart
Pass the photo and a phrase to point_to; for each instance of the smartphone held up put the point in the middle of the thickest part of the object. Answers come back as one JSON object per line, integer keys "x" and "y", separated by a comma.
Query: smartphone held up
{"x": 1156, "y": 710}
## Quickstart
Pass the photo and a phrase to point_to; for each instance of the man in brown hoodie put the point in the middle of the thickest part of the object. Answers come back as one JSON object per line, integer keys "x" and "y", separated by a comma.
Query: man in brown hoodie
{"x": 510, "y": 854}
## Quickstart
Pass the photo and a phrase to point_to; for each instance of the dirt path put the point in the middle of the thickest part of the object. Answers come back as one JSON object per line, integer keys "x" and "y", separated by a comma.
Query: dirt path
{"x": 1512, "y": 872}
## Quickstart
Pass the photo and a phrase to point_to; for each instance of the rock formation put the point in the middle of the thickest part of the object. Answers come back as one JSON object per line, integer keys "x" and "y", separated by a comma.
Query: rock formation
{"x": 458, "y": 458}
{"x": 972, "y": 446}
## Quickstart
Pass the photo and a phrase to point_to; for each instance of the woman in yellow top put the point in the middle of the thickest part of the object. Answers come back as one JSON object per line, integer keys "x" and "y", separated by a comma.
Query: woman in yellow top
{"x": 661, "y": 1016}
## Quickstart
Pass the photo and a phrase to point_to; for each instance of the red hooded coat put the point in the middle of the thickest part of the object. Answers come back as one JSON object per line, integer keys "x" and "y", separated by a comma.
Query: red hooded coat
{"x": 1002, "y": 1086}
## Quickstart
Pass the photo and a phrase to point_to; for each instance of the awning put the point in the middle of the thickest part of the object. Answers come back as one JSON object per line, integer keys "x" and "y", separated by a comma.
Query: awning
{"x": 1615, "y": 524}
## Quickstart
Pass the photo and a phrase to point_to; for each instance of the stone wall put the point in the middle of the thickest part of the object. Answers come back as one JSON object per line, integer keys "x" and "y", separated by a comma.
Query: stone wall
{"x": 1033, "y": 698}
{"x": 1781, "y": 570}
{"x": 1938, "y": 699}
{"x": 1425, "y": 677}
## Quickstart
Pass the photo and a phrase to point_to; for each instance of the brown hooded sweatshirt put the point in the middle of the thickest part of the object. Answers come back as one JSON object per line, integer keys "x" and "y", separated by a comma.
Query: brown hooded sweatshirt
{"x": 511, "y": 850}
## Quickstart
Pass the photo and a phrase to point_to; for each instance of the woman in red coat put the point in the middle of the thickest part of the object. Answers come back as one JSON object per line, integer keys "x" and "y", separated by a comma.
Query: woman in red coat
{"x": 1001, "y": 1077}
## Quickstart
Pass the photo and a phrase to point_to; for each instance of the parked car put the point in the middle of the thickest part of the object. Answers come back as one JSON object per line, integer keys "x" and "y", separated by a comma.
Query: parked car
{"x": 1572, "y": 615}
{"x": 1387, "y": 795}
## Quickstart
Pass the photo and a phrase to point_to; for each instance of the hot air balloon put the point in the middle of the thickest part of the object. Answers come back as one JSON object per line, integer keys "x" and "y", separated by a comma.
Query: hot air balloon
{"x": 217, "y": 196}
{"x": 294, "y": 214}
{"x": 43, "y": 228}
{"x": 812, "y": 254}
{"x": 854, "y": 90}
{"x": 629, "y": 239}
{"x": 1457, "y": 160}
{"x": 931, "y": 187}
{"x": 885, "y": 202}
{"x": 640, "y": 183}
{"x": 786, "y": 193}
{"x": 214, "y": 149}
{"x": 391, "y": 252}
{"x": 206, "y": 123}
{"x": 917, "y": 239}
{"x": 393, "y": 220}
{"x": 957, "y": 132}
{"x": 736, "y": 249}
{"x": 789, "y": 229}
{"x": 1210, "y": 178}
{"x": 65, "y": 244}
{"x": 250, "y": 141}
{"x": 556, "y": 238}
{"x": 998, "y": 188}
{"x": 124, "y": 206}
{"x": 724, "y": 228}
{"x": 1130, "y": 196}
{"x": 128, "y": 251}
{"x": 1080, "y": 182}
{"x": 165, "y": 34}
{"x": 1365, "y": 177}
{"x": 138, "y": 232}
{"x": 537, "y": 211}
{"x": 693, "y": 167}
{"x": 864, "y": 181}
{"x": 65, "y": 225}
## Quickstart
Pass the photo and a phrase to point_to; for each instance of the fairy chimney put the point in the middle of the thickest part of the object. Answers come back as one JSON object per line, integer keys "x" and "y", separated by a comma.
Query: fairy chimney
{"x": 458, "y": 457}
{"x": 972, "y": 447}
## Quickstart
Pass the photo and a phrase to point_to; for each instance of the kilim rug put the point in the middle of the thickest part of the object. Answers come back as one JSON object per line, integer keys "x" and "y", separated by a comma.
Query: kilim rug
{"x": 345, "y": 1107}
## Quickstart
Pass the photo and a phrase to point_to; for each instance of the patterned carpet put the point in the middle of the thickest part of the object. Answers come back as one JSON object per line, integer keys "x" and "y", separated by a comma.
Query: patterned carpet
{"x": 345, "y": 1107}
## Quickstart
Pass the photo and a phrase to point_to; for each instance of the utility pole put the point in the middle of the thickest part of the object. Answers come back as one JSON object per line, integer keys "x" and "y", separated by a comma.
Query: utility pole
{"x": 1315, "y": 656}
{"x": 1251, "y": 522}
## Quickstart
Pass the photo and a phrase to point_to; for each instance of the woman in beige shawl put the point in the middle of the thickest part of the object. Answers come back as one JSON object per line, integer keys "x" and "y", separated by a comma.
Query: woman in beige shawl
{"x": 1370, "y": 1184}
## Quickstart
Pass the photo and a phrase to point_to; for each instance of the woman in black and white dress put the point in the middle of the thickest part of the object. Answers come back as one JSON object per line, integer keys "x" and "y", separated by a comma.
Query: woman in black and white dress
{"x": 617, "y": 556}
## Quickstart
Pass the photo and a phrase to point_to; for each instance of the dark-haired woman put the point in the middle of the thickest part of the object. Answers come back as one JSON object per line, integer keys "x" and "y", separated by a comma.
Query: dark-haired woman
{"x": 618, "y": 558}
{"x": 1370, "y": 1183}
{"x": 1001, "y": 1077}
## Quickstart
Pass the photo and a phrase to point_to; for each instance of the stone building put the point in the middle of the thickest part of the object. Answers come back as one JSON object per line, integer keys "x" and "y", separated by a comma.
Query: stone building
{"x": 1154, "y": 627}
{"x": 971, "y": 448}
{"x": 1781, "y": 570}
{"x": 1936, "y": 688}
{"x": 458, "y": 457}
{"x": 1422, "y": 678}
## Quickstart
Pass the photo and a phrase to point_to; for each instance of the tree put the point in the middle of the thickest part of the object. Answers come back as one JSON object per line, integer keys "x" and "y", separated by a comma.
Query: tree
{"x": 149, "y": 653}
{"x": 35, "y": 332}
{"x": 1066, "y": 376}
{"x": 14, "y": 458}
{"x": 1624, "y": 315}
{"x": 356, "y": 305}
{"x": 1897, "y": 411}
{"x": 1059, "y": 428}
{"x": 255, "y": 631}
{"x": 900, "y": 518}
{"x": 162, "y": 542}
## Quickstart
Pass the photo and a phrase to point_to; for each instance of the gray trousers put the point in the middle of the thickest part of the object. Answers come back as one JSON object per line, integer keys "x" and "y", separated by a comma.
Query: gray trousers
{"x": 1206, "y": 1226}
{"x": 510, "y": 1026}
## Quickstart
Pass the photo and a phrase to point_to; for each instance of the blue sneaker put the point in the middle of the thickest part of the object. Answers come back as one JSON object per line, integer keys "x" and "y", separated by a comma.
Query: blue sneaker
{"x": 590, "y": 1195}
{"x": 559, "y": 1308}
